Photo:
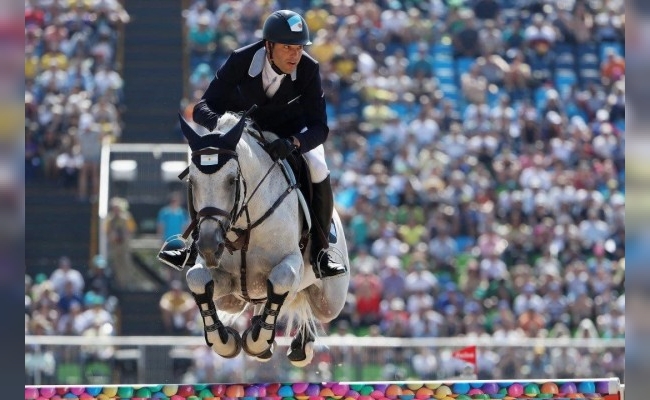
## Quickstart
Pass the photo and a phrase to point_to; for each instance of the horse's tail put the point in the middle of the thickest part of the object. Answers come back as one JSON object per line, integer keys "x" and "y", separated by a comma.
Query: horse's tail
{"x": 299, "y": 315}
{"x": 230, "y": 319}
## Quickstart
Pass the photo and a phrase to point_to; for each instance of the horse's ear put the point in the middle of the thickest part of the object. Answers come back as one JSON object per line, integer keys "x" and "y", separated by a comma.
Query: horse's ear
{"x": 189, "y": 133}
{"x": 231, "y": 138}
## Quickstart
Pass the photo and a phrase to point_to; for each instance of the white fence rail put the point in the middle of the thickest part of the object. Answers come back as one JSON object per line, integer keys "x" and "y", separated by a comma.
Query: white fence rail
{"x": 151, "y": 359}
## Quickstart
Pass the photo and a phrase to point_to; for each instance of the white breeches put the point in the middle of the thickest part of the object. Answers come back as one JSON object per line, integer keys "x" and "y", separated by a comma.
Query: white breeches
{"x": 317, "y": 166}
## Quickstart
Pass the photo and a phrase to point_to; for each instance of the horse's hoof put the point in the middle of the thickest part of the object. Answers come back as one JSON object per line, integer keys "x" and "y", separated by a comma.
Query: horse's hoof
{"x": 225, "y": 349}
{"x": 268, "y": 354}
{"x": 248, "y": 335}
{"x": 300, "y": 354}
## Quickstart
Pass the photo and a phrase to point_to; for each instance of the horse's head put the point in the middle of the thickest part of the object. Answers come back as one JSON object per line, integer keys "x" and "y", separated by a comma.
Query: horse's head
{"x": 215, "y": 181}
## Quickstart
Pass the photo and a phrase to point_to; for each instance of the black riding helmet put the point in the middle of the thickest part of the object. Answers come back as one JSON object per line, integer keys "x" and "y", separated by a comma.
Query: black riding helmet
{"x": 286, "y": 27}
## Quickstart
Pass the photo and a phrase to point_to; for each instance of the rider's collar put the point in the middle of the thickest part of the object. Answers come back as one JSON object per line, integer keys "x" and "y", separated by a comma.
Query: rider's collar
{"x": 257, "y": 64}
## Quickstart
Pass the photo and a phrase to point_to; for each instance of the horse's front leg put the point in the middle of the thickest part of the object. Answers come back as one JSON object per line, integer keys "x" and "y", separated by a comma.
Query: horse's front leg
{"x": 284, "y": 278}
{"x": 204, "y": 286}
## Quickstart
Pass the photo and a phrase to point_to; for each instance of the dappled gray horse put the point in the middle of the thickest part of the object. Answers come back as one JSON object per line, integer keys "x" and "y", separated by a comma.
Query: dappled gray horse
{"x": 250, "y": 234}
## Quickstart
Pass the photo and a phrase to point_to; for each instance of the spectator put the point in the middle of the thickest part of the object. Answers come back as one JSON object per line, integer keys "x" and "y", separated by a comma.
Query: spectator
{"x": 367, "y": 289}
{"x": 473, "y": 85}
{"x": 443, "y": 248}
{"x": 466, "y": 41}
{"x": 393, "y": 279}
{"x": 540, "y": 36}
{"x": 387, "y": 245}
{"x": 120, "y": 227}
{"x": 99, "y": 278}
{"x": 201, "y": 42}
{"x": 65, "y": 275}
{"x": 96, "y": 321}
{"x": 528, "y": 300}
{"x": 68, "y": 323}
{"x": 419, "y": 278}
{"x": 172, "y": 219}
{"x": 178, "y": 310}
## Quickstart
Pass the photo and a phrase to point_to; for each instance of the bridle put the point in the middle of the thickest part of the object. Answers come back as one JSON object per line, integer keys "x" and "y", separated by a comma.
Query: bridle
{"x": 238, "y": 210}
{"x": 207, "y": 213}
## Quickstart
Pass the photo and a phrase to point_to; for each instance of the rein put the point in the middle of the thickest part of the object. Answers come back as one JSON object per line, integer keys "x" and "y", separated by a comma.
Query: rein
{"x": 243, "y": 234}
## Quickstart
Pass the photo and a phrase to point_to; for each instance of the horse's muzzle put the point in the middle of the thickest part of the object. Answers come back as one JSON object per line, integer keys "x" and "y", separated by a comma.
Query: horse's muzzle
{"x": 211, "y": 244}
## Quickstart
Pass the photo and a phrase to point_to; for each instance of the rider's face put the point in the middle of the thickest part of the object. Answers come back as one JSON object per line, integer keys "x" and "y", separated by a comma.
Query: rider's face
{"x": 287, "y": 56}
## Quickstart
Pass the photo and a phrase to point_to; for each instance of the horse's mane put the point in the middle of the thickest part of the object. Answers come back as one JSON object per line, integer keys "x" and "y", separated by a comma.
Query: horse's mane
{"x": 228, "y": 120}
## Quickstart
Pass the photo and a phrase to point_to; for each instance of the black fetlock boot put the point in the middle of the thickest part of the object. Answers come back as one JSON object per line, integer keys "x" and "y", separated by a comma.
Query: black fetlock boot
{"x": 322, "y": 210}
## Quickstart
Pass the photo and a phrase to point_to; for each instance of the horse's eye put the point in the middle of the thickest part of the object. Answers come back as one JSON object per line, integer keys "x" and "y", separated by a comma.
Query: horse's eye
{"x": 233, "y": 181}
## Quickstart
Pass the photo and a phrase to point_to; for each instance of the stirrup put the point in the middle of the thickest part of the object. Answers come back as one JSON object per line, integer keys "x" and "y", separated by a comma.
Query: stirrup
{"x": 185, "y": 245}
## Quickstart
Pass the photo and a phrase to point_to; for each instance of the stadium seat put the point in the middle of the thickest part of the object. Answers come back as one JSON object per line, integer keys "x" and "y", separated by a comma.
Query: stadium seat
{"x": 564, "y": 56}
{"x": 589, "y": 75}
{"x": 588, "y": 56}
{"x": 463, "y": 65}
{"x": 444, "y": 74}
{"x": 564, "y": 80}
{"x": 617, "y": 47}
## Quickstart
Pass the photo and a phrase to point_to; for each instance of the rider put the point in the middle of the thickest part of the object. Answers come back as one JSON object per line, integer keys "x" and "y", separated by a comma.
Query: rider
{"x": 284, "y": 82}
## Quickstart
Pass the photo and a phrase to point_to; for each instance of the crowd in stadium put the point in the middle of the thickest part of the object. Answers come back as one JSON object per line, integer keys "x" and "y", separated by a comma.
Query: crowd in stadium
{"x": 476, "y": 148}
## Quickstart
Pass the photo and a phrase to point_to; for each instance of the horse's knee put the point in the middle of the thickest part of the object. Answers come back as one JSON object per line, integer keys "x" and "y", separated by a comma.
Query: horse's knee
{"x": 197, "y": 277}
{"x": 285, "y": 277}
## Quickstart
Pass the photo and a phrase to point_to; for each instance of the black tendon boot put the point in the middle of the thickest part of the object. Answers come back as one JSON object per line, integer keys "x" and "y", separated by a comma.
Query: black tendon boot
{"x": 322, "y": 209}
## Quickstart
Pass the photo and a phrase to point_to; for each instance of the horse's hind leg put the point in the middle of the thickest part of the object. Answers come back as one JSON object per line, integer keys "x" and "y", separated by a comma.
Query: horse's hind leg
{"x": 327, "y": 297}
{"x": 326, "y": 300}
{"x": 224, "y": 340}
{"x": 301, "y": 349}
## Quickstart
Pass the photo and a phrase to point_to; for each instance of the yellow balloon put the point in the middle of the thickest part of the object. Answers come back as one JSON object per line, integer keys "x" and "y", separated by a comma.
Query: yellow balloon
{"x": 110, "y": 391}
{"x": 432, "y": 385}
{"x": 442, "y": 392}
{"x": 170, "y": 390}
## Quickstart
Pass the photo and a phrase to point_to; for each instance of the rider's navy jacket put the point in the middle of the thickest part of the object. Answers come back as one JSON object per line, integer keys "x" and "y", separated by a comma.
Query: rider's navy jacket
{"x": 297, "y": 104}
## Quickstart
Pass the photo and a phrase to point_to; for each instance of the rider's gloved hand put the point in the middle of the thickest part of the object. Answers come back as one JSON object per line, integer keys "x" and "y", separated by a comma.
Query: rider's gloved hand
{"x": 279, "y": 149}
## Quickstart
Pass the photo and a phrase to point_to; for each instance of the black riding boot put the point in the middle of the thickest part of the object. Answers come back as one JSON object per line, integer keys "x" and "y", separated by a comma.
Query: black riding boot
{"x": 179, "y": 258}
{"x": 322, "y": 210}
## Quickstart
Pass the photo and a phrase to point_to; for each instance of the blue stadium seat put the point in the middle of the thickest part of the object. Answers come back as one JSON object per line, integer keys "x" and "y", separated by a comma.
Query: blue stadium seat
{"x": 589, "y": 75}
{"x": 564, "y": 80}
{"x": 444, "y": 74}
{"x": 463, "y": 64}
{"x": 616, "y": 46}
{"x": 493, "y": 97}
{"x": 540, "y": 97}
{"x": 564, "y": 55}
{"x": 442, "y": 49}
{"x": 588, "y": 56}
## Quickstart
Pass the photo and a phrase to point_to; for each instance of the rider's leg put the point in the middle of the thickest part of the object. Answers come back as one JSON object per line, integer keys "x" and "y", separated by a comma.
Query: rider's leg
{"x": 178, "y": 258}
{"x": 322, "y": 209}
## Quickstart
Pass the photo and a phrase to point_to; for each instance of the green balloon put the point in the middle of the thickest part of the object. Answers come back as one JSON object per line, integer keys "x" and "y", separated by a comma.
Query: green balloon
{"x": 125, "y": 391}
{"x": 143, "y": 392}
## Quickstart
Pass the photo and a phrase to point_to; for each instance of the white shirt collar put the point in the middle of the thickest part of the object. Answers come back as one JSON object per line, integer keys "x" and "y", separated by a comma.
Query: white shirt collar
{"x": 258, "y": 63}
